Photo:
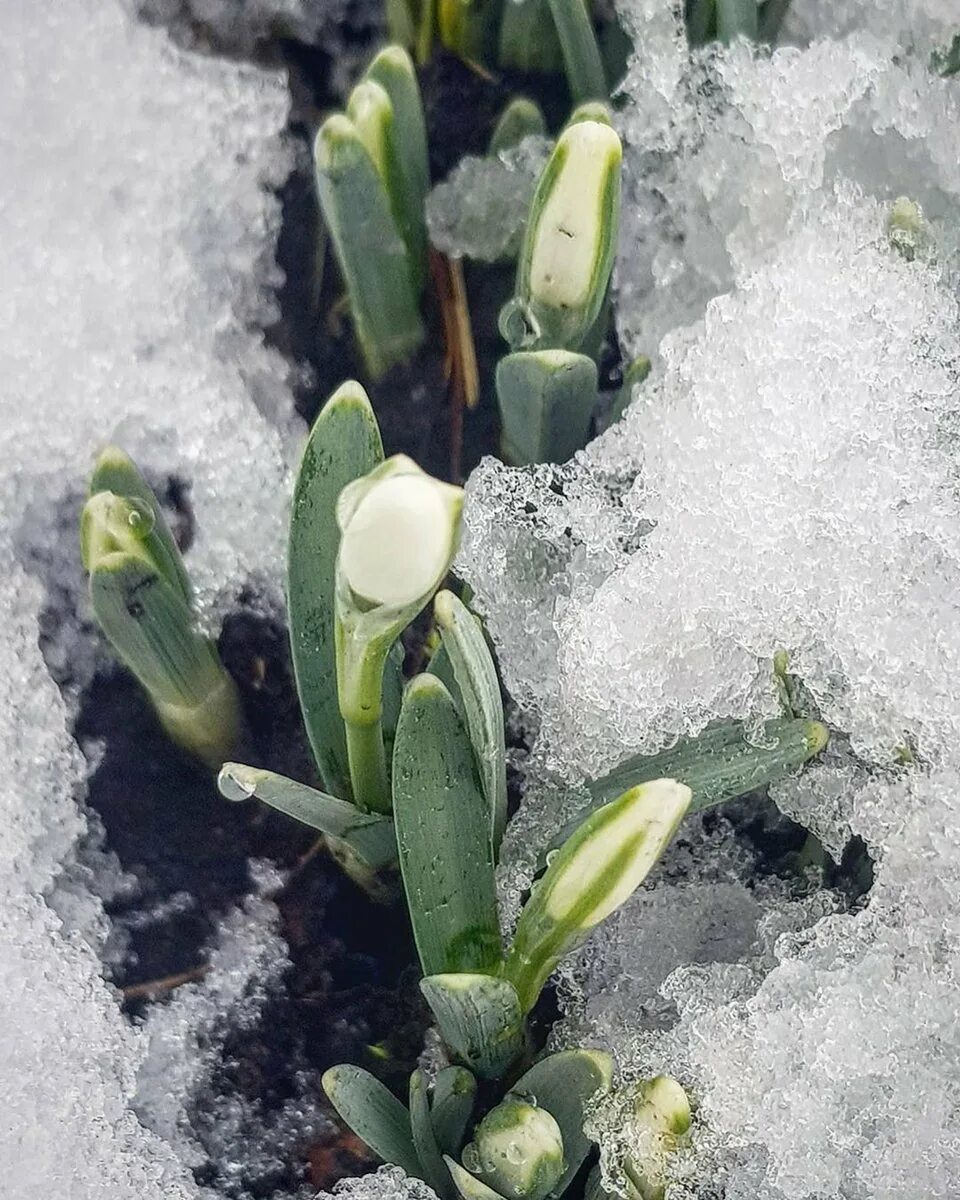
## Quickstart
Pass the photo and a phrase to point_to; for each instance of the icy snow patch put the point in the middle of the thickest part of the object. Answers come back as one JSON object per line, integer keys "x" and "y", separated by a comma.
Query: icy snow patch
{"x": 389, "y": 1183}
{"x": 138, "y": 233}
{"x": 785, "y": 479}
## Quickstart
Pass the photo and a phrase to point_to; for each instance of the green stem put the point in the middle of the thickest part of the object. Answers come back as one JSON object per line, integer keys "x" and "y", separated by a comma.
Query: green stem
{"x": 424, "y": 46}
{"x": 368, "y": 766}
{"x": 360, "y": 663}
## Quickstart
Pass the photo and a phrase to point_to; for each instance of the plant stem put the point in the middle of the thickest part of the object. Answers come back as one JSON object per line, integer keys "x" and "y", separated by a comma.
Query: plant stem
{"x": 368, "y": 765}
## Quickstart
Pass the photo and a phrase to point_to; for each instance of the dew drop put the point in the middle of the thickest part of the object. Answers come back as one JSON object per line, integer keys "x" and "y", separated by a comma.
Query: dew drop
{"x": 140, "y": 518}
{"x": 233, "y": 785}
{"x": 470, "y": 1158}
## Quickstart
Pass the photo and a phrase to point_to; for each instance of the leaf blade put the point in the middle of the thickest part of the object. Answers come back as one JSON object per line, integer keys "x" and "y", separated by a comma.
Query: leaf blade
{"x": 479, "y": 1018}
{"x": 444, "y": 838}
{"x": 425, "y": 1140}
{"x": 479, "y": 688}
{"x": 343, "y": 445}
{"x": 374, "y": 1114}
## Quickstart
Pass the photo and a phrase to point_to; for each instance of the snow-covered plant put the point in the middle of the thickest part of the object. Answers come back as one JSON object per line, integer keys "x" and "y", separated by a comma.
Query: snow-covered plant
{"x": 547, "y": 385}
{"x": 372, "y": 178}
{"x": 141, "y": 597}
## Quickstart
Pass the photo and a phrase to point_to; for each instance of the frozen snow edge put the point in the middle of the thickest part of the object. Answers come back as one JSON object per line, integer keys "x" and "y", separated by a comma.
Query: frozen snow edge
{"x": 139, "y": 224}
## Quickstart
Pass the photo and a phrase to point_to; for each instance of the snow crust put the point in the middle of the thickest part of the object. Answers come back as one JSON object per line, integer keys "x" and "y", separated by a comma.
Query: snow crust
{"x": 785, "y": 479}
{"x": 138, "y": 226}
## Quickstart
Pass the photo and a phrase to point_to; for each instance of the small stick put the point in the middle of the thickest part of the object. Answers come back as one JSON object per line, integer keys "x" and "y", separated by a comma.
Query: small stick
{"x": 461, "y": 356}
{"x": 153, "y": 987}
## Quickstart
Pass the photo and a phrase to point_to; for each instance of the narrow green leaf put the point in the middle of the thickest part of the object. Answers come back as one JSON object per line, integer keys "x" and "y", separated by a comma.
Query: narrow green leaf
{"x": 598, "y": 868}
{"x": 373, "y": 256}
{"x": 546, "y": 399}
{"x": 701, "y": 22}
{"x": 374, "y": 1114}
{"x": 564, "y": 1084}
{"x": 469, "y": 1187}
{"x": 400, "y": 26}
{"x": 528, "y": 37}
{"x": 393, "y": 70}
{"x": 635, "y": 374}
{"x": 479, "y": 1018}
{"x": 444, "y": 835}
{"x": 370, "y": 837}
{"x": 771, "y": 17}
{"x": 441, "y": 666}
{"x": 721, "y": 764}
{"x": 454, "y": 1095}
{"x": 581, "y": 54}
{"x": 116, "y": 472}
{"x": 150, "y": 627}
{"x": 469, "y": 27}
{"x": 479, "y": 689}
{"x": 425, "y": 1140}
{"x": 737, "y": 18}
{"x": 344, "y": 444}
{"x": 521, "y": 118}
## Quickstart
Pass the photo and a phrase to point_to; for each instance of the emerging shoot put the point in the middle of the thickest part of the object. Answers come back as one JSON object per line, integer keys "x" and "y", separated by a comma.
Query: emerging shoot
{"x": 141, "y": 599}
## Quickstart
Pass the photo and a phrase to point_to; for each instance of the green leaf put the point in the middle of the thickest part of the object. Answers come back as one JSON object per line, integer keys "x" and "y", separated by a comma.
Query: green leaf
{"x": 737, "y": 18}
{"x": 771, "y": 18}
{"x": 151, "y": 628}
{"x": 344, "y": 444}
{"x": 370, "y": 837}
{"x": 469, "y": 27}
{"x": 116, "y": 472}
{"x": 635, "y": 374}
{"x": 374, "y": 1114}
{"x": 517, "y": 1149}
{"x": 528, "y": 37}
{"x": 701, "y": 22}
{"x": 454, "y": 1095}
{"x": 546, "y": 399}
{"x": 520, "y": 119}
{"x": 425, "y": 1140}
{"x": 467, "y": 1185}
{"x": 374, "y": 259}
{"x": 444, "y": 835}
{"x": 581, "y": 54}
{"x": 564, "y": 1084}
{"x": 393, "y": 70}
{"x": 598, "y": 868}
{"x": 479, "y": 1018}
{"x": 479, "y": 689}
{"x": 721, "y": 764}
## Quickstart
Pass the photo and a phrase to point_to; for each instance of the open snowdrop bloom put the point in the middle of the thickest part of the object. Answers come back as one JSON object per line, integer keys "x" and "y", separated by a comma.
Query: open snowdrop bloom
{"x": 399, "y": 533}
{"x": 399, "y": 529}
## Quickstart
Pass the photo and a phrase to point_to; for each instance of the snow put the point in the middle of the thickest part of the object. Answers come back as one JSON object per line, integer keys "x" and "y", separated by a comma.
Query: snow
{"x": 138, "y": 216}
{"x": 785, "y": 479}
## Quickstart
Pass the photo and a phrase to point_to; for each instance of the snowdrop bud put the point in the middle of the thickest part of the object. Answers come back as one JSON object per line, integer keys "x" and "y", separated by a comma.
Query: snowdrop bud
{"x": 569, "y": 245}
{"x": 517, "y": 1150}
{"x": 661, "y": 1115}
{"x": 597, "y": 869}
{"x": 399, "y": 531}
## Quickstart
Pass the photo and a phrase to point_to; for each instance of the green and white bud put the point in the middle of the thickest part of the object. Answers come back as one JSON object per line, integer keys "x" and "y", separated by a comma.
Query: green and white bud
{"x": 141, "y": 598}
{"x": 660, "y": 1118}
{"x": 908, "y": 230}
{"x": 569, "y": 244}
{"x": 598, "y": 868}
{"x": 517, "y": 1150}
{"x": 399, "y": 530}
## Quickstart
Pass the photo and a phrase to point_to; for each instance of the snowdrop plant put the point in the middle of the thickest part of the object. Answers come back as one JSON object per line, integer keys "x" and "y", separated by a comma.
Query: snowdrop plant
{"x": 547, "y": 385}
{"x": 141, "y": 597}
{"x": 372, "y": 178}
